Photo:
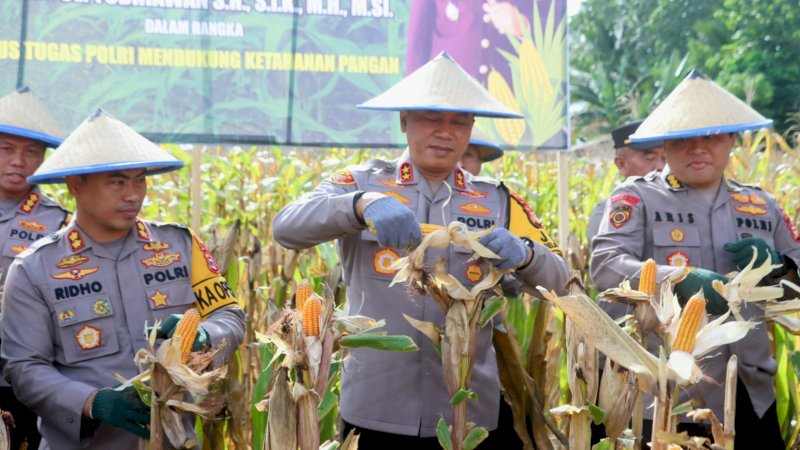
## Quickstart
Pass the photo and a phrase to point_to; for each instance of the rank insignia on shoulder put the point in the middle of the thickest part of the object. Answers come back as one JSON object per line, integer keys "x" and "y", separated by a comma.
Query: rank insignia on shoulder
{"x": 17, "y": 249}
{"x": 475, "y": 208}
{"x": 620, "y": 214}
{"x": 66, "y": 314}
{"x": 89, "y": 337}
{"x": 383, "y": 261}
{"x": 32, "y": 225}
{"x": 156, "y": 246}
{"x": 757, "y": 200}
{"x": 461, "y": 181}
{"x": 673, "y": 182}
{"x": 71, "y": 261}
{"x": 102, "y": 307}
{"x": 343, "y": 178}
{"x": 473, "y": 272}
{"x": 397, "y": 196}
{"x": 29, "y": 203}
{"x": 678, "y": 259}
{"x": 76, "y": 241}
{"x": 141, "y": 230}
{"x": 159, "y": 299}
{"x": 677, "y": 235}
{"x": 75, "y": 274}
{"x": 406, "y": 172}
{"x": 161, "y": 260}
{"x": 751, "y": 209}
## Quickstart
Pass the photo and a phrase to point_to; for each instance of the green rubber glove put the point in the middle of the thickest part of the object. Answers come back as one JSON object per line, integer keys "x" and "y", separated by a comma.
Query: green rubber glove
{"x": 167, "y": 329}
{"x": 122, "y": 409}
{"x": 701, "y": 279}
{"x": 742, "y": 253}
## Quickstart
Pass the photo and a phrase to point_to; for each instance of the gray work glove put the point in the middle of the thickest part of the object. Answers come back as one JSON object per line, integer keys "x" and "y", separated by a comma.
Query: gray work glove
{"x": 512, "y": 250}
{"x": 395, "y": 224}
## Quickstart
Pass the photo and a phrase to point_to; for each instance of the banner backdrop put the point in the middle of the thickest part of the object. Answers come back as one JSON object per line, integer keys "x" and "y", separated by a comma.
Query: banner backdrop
{"x": 286, "y": 72}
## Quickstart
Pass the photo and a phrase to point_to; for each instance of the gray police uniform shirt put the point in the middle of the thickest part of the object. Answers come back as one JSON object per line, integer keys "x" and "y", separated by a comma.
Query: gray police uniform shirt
{"x": 75, "y": 316}
{"x": 32, "y": 218}
{"x": 658, "y": 217}
{"x": 404, "y": 393}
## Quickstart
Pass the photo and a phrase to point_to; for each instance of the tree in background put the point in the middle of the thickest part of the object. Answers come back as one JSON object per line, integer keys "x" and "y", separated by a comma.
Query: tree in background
{"x": 627, "y": 55}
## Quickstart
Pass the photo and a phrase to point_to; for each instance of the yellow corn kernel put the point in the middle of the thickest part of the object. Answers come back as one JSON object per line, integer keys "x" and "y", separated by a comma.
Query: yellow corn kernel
{"x": 187, "y": 330}
{"x": 428, "y": 228}
{"x": 311, "y": 310}
{"x": 510, "y": 130}
{"x": 301, "y": 295}
{"x": 691, "y": 319}
{"x": 647, "y": 279}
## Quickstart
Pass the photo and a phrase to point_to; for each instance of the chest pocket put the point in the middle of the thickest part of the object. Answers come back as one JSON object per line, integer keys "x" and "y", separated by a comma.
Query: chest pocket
{"x": 169, "y": 298}
{"x": 86, "y": 328}
{"x": 676, "y": 245}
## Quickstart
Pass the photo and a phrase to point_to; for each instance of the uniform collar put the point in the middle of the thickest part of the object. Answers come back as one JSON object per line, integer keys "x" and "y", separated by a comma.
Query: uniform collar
{"x": 30, "y": 203}
{"x": 672, "y": 181}
{"x": 407, "y": 174}
{"x": 78, "y": 240}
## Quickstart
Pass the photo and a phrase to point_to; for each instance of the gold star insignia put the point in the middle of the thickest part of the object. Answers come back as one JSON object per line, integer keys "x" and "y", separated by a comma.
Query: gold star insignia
{"x": 159, "y": 299}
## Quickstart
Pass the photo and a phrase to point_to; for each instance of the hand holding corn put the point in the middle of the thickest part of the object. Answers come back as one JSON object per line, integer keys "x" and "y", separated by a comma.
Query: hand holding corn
{"x": 512, "y": 250}
{"x": 394, "y": 224}
{"x": 173, "y": 324}
{"x": 698, "y": 279}
{"x": 742, "y": 253}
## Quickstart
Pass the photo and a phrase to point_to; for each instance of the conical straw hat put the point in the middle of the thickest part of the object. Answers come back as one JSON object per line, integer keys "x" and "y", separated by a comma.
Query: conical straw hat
{"x": 102, "y": 144}
{"x": 440, "y": 85}
{"x": 22, "y": 114}
{"x": 487, "y": 150}
{"x": 698, "y": 107}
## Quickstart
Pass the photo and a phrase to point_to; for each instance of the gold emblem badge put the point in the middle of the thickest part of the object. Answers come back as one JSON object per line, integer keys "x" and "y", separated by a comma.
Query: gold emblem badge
{"x": 678, "y": 259}
{"x": 159, "y": 299}
{"x": 751, "y": 209}
{"x": 383, "y": 261}
{"x": 71, "y": 261}
{"x": 677, "y": 235}
{"x": 474, "y": 272}
{"x": 89, "y": 337}
{"x": 391, "y": 182}
{"x": 474, "y": 194}
{"x": 461, "y": 181}
{"x": 406, "y": 172}
{"x": 102, "y": 307}
{"x": 17, "y": 249}
{"x": 66, "y": 314}
{"x": 75, "y": 274}
{"x": 156, "y": 246}
{"x": 673, "y": 182}
{"x": 76, "y": 241}
{"x": 620, "y": 214}
{"x": 161, "y": 259}
{"x": 475, "y": 208}
{"x": 32, "y": 225}
{"x": 741, "y": 198}
{"x": 757, "y": 200}
{"x": 399, "y": 197}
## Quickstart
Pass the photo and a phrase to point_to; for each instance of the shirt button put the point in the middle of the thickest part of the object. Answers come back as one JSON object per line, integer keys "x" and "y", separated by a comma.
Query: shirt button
{"x": 70, "y": 419}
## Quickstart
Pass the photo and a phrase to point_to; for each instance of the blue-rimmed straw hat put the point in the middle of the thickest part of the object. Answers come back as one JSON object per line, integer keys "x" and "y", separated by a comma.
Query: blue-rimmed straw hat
{"x": 698, "y": 107}
{"x": 487, "y": 150}
{"x": 22, "y": 114}
{"x": 440, "y": 85}
{"x": 103, "y": 144}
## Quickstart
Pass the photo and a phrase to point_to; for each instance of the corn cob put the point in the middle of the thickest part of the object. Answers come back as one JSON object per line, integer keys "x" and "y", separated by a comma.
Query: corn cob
{"x": 187, "y": 330}
{"x": 691, "y": 318}
{"x": 647, "y": 280}
{"x": 510, "y": 130}
{"x": 301, "y": 295}
{"x": 311, "y": 310}
{"x": 428, "y": 228}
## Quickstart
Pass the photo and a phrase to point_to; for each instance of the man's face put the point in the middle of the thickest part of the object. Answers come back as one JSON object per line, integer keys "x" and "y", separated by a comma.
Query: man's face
{"x": 471, "y": 161}
{"x": 699, "y": 162}
{"x": 19, "y": 159}
{"x": 436, "y": 139}
{"x": 637, "y": 163}
{"x": 108, "y": 202}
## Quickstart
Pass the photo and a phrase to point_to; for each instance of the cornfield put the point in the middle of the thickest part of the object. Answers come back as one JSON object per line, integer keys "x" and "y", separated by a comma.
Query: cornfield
{"x": 244, "y": 188}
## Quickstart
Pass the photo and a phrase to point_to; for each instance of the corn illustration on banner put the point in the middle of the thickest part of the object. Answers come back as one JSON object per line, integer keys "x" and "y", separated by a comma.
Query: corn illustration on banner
{"x": 286, "y": 72}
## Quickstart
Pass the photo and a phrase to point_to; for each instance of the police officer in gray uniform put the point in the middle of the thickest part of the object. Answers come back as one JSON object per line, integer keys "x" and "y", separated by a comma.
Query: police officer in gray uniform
{"x": 26, "y": 130}
{"x": 691, "y": 215}
{"x": 76, "y": 302}
{"x": 395, "y": 400}
{"x": 632, "y": 160}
